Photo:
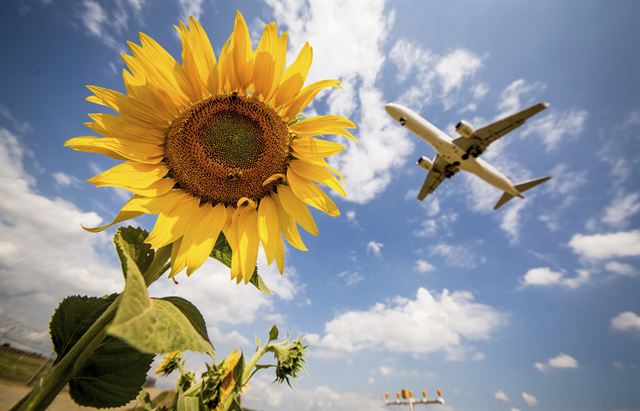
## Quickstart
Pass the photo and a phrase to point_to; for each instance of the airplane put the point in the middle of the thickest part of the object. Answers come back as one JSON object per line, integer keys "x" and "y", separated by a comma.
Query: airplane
{"x": 453, "y": 155}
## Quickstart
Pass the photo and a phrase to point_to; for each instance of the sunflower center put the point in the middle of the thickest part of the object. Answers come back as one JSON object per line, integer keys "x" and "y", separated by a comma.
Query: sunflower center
{"x": 223, "y": 148}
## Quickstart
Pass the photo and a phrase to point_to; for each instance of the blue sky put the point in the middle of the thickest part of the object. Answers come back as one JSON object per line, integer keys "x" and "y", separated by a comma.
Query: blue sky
{"x": 534, "y": 306}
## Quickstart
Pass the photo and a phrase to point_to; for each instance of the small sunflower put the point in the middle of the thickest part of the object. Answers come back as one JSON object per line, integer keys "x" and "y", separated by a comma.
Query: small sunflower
{"x": 218, "y": 145}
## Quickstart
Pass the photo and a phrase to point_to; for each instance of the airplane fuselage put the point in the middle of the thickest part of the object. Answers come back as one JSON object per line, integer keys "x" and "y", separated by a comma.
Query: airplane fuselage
{"x": 444, "y": 146}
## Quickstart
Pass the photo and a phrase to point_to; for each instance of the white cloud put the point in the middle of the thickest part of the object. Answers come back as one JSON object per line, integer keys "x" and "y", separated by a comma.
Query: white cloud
{"x": 626, "y": 321}
{"x": 545, "y": 276}
{"x": 431, "y": 322}
{"x": 358, "y": 62}
{"x": 529, "y": 399}
{"x": 479, "y": 90}
{"x": 375, "y": 247}
{"x": 351, "y": 278}
{"x": 107, "y": 23}
{"x": 423, "y": 266}
{"x": 621, "y": 209}
{"x": 385, "y": 371}
{"x": 542, "y": 276}
{"x": 511, "y": 223}
{"x": 557, "y": 126}
{"x": 190, "y": 8}
{"x": 264, "y": 394}
{"x": 434, "y": 75}
{"x": 223, "y": 301}
{"x": 479, "y": 356}
{"x": 606, "y": 246}
{"x": 501, "y": 396}
{"x": 408, "y": 57}
{"x": 626, "y": 270}
{"x": 460, "y": 256}
{"x": 22, "y": 127}
{"x": 455, "y": 67}
{"x": 66, "y": 180}
{"x": 352, "y": 218}
{"x": 565, "y": 183}
{"x": 515, "y": 96}
{"x": 561, "y": 360}
{"x": 515, "y": 409}
{"x": 440, "y": 225}
{"x": 44, "y": 253}
{"x": 231, "y": 339}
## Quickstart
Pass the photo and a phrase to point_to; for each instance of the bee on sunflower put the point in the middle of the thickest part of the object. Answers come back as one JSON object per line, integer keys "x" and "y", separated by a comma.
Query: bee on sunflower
{"x": 218, "y": 146}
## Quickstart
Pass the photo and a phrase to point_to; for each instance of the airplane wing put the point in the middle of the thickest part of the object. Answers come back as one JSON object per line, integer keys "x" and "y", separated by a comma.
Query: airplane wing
{"x": 488, "y": 134}
{"x": 440, "y": 170}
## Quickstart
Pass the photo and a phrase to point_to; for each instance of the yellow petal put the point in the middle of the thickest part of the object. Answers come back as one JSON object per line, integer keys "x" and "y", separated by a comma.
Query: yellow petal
{"x": 288, "y": 226}
{"x": 279, "y": 253}
{"x": 306, "y": 147}
{"x": 155, "y": 205}
{"x": 242, "y": 52}
{"x": 279, "y": 53}
{"x": 172, "y": 221}
{"x": 203, "y": 235}
{"x": 125, "y": 105}
{"x": 162, "y": 69}
{"x": 306, "y": 95}
{"x": 286, "y": 91}
{"x": 123, "y": 215}
{"x": 231, "y": 233}
{"x": 268, "y": 228}
{"x": 248, "y": 241}
{"x": 116, "y": 127}
{"x": 308, "y": 192}
{"x": 297, "y": 209}
{"x": 139, "y": 178}
{"x": 320, "y": 125}
{"x": 302, "y": 63}
{"x": 118, "y": 149}
{"x": 227, "y": 75}
{"x": 198, "y": 59}
{"x": 177, "y": 262}
{"x": 317, "y": 173}
{"x": 264, "y": 68}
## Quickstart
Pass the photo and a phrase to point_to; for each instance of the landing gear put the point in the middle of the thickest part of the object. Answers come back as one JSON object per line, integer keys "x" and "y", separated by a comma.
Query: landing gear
{"x": 472, "y": 152}
{"x": 451, "y": 169}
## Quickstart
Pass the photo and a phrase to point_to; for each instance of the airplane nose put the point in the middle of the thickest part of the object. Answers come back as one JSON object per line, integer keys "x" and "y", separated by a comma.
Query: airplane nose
{"x": 391, "y": 109}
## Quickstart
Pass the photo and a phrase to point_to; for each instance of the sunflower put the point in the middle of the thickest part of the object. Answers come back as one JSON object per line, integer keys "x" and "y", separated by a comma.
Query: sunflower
{"x": 218, "y": 146}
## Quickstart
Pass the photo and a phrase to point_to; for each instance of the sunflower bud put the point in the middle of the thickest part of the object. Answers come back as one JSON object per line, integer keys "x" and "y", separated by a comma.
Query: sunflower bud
{"x": 169, "y": 363}
{"x": 290, "y": 356}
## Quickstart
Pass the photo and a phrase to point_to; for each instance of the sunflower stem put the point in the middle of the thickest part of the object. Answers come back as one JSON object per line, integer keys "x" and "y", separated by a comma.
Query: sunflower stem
{"x": 72, "y": 362}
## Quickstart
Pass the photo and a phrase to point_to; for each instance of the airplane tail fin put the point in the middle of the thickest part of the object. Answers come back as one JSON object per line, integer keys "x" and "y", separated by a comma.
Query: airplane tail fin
{"x": 522, "y": 187}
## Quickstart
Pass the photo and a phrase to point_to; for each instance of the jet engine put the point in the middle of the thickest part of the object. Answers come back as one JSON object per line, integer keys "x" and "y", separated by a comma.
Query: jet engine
{"x": 425, "y": 163}
{"x": 464, "y": 129}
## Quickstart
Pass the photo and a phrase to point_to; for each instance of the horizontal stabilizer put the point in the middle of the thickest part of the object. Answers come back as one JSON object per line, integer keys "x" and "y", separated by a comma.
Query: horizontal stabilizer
{"x": 522, "y": 187}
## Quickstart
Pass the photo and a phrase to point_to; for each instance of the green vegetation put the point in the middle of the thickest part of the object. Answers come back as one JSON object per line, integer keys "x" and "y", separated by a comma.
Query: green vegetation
{"x": 17, "y": 365}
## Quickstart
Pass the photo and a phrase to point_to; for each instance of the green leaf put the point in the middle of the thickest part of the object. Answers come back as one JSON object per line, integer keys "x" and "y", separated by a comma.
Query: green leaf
{"x": 130, "y": 241}
{"x": 72, "y": 318}
{"x": 188, "y": 403}
{"x": 115, "y": 372}
{"x": 273, "y": 333}
{"x": 238, "y": 371}
{"x": 256, "y": 280}
{"x": 192, "y": 313}
{"x": 152, "y": 325}
{"x": 222, "y": 252}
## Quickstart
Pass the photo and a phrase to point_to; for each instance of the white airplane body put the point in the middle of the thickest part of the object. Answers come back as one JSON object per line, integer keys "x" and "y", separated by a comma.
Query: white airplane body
{"x": 462, "y": 153}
